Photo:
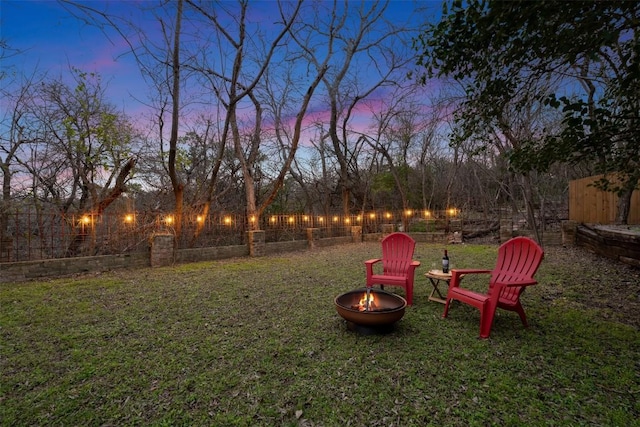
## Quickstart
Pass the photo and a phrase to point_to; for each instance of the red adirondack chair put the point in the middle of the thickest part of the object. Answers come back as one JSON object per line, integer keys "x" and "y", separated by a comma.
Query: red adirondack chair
{"x": 398, "y": 267}
{"x": 518, "y": 261}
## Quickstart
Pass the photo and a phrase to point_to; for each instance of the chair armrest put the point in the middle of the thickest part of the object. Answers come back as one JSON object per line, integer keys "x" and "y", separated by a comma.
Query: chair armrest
{"x": 412, "y": 269}
{"x": 369, "y": 268}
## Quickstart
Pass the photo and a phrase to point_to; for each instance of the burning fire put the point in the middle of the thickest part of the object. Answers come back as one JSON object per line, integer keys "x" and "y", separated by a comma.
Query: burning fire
{"x": 367, "y": 297}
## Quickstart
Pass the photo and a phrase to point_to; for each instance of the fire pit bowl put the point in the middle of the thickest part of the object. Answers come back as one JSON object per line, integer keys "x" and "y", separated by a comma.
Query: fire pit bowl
{"x": 383, "y": 311}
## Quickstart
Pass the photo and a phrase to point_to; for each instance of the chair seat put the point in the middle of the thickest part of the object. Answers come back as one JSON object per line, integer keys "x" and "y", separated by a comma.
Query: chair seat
{"x": 477, "y": 299}
{"x": 469, "y": 296}
{"x": 388, "y": 280}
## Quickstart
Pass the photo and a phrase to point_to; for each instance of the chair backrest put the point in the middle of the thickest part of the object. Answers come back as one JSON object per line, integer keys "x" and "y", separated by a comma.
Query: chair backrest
{"x": 397, "y": 253}
{"x": 518, "y": 260}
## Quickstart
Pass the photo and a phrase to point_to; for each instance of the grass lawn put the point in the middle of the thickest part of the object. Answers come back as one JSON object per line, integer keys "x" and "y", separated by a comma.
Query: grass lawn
{"x": 258, "y": 342}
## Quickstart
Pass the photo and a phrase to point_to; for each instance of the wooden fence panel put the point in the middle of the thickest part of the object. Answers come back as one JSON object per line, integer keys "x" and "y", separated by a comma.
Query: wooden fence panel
{"x": 588, "y": 204}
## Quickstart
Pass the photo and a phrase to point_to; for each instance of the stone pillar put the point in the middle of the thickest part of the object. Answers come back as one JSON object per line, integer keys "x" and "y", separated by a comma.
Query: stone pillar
{"x": 162, "y": 249}
{"x": 257, "y": 246}
{"x": 569, "y": 233}
{"x": 506, "y": 230}
{"x": 313, "y": 235}
{"x": 455, "y": 237}
{"x": 356, "y": 234}
{"x": 388, "y": 229}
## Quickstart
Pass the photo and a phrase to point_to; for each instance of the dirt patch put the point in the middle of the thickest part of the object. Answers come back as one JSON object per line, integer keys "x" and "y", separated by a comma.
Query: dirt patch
{"x": 597, "y": 282}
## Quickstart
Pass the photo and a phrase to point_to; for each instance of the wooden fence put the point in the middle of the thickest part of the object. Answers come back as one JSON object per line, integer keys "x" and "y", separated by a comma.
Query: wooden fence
{"x": 588, "y": 204}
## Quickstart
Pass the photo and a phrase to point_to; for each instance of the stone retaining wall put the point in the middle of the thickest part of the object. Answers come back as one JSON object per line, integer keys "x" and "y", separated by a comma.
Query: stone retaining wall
{"x": 26, "y": 270}
{"x": 162, "y": 252}
{"x": 623, "y": 246}
{"x": 210, "y": 254}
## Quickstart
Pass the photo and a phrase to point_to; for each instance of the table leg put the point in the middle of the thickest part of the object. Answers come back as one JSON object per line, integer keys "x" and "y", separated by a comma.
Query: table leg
{"x": 439, "y": 298}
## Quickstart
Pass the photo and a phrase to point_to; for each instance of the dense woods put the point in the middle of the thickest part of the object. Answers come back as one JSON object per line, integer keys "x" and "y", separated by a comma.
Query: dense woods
{"x": 325, "y": 108}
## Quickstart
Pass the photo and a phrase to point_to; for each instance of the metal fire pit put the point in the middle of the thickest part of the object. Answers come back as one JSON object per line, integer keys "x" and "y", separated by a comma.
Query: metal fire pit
{"x": 389, "y": 309}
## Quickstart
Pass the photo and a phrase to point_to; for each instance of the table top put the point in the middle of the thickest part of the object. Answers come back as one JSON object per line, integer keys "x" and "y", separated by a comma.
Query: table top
{"x": 438, "y": 274}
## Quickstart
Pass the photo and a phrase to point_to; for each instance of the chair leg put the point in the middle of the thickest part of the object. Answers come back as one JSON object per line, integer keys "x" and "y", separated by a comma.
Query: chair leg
{"x": 518, "y": 309}
{"x": 446, "y": 307}
{"x": 409, "y": 295}
{"x": 486, "y": 320}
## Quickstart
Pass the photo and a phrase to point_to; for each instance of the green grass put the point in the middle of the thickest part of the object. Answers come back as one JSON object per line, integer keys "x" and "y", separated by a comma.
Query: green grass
{"x": 257, "y": 342}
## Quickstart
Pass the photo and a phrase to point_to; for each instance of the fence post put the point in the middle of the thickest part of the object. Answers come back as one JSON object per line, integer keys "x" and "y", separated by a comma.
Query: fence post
{"x": 162, "y": 249}
{"x": 356, "y": 233}
{"x": 257, "y": 246}
{"x": 313, "y": 235}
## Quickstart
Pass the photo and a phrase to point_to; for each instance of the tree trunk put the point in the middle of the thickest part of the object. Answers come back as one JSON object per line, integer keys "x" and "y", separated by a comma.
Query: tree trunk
{"x": 98, "y": 207}
{"x": 624, "y": 198}
{"x": 5, "y": 202}
{"x": 176, "y": 182}
{"x": 531, "y": 213}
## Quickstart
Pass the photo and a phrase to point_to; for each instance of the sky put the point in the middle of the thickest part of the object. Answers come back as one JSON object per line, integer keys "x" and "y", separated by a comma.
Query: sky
{"x": 45, "y": 36}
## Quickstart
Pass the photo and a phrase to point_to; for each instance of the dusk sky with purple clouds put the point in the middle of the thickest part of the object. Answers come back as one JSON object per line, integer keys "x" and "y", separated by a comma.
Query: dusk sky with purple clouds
{"x": 49, "y": 38}
{"x": 45, "y": 36}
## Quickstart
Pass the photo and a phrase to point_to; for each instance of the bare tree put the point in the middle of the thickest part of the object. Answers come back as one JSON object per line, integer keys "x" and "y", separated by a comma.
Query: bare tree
{"x": 366, "y": 41}
{"x": 174, "y": 80}
{"x": 398, "y": 125}
{"x": 17, "y": 132}
{"x": 237, "y": 83}
{"x": 316, "y": 173}
{"x": 160, "y": 63}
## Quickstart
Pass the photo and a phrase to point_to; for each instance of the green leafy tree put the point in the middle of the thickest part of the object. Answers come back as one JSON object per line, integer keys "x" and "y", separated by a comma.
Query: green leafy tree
{"x": 589, "y": 53}
{"x": 81, "y": 160}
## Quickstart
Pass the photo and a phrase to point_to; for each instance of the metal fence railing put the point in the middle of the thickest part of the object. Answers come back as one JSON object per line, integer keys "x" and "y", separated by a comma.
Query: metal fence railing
{"x": 36, "y": 235}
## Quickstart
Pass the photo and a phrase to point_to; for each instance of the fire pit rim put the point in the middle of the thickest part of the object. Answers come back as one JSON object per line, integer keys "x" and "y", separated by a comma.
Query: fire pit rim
{"x": 376, "y": 291}
{"x": 380, "y": 318}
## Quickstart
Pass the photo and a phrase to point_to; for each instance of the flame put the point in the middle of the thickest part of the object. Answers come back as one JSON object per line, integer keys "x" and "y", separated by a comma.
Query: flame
{"x": 373, "y": 302}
